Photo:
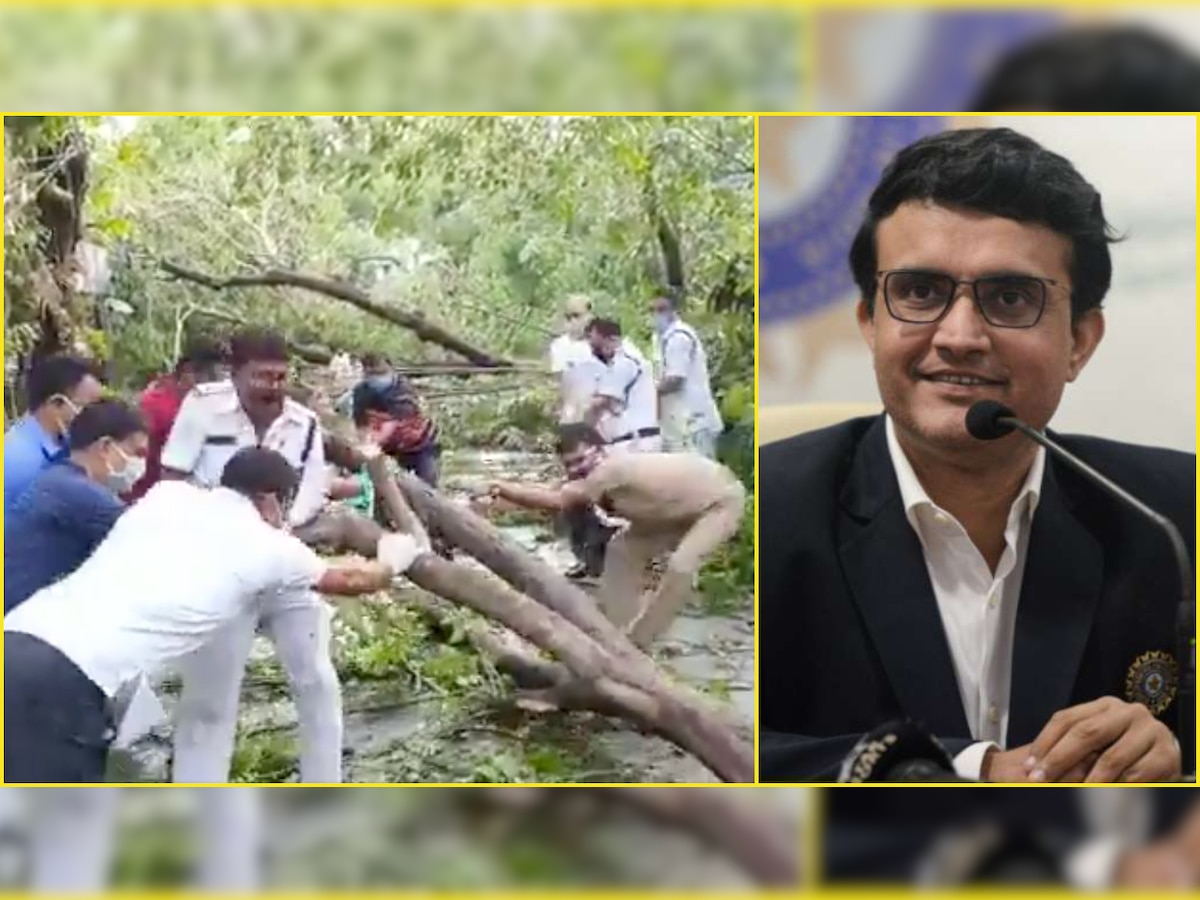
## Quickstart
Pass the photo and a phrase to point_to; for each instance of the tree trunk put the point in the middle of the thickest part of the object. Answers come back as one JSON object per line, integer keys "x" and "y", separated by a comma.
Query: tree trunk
{"x": 607, "y": 673}
{"x": 762, "y": 842}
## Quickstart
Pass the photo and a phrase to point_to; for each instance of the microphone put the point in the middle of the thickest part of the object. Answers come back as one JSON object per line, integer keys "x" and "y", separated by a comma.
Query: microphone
{"x": 898, "y": 751}
{"x": 988, "y": 420}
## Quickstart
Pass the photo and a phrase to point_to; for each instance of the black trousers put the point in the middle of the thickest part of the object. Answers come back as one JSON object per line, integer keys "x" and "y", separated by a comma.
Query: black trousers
{"x": 589, "y": 538}
{"x": 58, "y": 725}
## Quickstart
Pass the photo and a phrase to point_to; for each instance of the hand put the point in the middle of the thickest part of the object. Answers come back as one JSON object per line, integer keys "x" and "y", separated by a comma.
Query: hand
{"x": 1130, "y": 745}
{"x": 398, "y": 552}
{"x": 1008, "y": 767}
{"x": 1161, "y": 865}
{"x": 491, "y": 490}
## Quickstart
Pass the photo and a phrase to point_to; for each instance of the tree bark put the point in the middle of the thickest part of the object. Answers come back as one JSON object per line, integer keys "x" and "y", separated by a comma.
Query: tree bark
{"x": 762, "y": 842}
{"x": 608, "y": 674}
{"x": 425, "y": 330}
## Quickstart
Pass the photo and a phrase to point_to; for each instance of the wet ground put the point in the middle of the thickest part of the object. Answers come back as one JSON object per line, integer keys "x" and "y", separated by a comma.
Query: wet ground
{"x": 393, "y": 727}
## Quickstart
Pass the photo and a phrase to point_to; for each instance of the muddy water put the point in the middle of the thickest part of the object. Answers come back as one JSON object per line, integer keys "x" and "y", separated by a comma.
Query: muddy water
{"x": 712, "y": 653}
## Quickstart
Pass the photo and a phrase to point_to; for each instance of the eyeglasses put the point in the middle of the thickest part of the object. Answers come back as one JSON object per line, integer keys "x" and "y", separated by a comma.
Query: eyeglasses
{"x": 1004, "y": 301}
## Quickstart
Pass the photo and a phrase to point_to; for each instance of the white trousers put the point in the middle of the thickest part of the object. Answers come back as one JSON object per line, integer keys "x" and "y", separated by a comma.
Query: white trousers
{"x": 72, "y": 837}
{"x": 299, "y": 625}
{"x": 702, "y": 441}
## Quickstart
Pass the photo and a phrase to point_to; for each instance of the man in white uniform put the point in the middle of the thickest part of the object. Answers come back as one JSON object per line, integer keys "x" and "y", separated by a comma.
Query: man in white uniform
{"x": 571, "y": 360}
{"x": 626, "y": 393}
{"x": 688, "y": 412}
{"x": 215, "y": 421}
{"x": 177, "y": 568}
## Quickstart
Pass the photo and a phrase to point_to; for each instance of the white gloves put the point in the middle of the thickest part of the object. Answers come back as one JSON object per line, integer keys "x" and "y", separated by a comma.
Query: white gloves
{"x": 398, "y": 551}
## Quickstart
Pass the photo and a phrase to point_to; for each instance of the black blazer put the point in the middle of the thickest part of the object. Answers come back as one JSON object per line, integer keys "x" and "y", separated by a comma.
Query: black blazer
{"x": 849, "y": 631}
{"x": 880, "y": 835}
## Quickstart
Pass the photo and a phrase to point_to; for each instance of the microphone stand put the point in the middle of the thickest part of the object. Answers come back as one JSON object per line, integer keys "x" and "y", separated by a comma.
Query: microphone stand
{"x": 1185, "y": 622}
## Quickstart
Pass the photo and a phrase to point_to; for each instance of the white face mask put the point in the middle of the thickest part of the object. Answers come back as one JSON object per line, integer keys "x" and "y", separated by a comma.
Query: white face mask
{"x": 122, "y": 481}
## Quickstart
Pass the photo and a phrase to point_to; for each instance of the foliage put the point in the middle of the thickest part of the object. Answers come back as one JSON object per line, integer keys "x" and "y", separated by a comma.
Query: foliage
{"x": 481, "y": 224}
{"x": 487, "y": 221}
{"x": 372, "y": 57}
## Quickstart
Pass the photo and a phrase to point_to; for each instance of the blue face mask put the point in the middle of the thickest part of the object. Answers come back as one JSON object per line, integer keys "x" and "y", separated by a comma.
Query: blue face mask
{"x": 662, "y": 321}
{"x": 381, "y": 382}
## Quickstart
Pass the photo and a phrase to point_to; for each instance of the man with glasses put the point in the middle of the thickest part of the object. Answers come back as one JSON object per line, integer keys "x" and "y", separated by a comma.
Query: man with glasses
{"x": 59, "y": 387}
{"x": 982, "y": 589}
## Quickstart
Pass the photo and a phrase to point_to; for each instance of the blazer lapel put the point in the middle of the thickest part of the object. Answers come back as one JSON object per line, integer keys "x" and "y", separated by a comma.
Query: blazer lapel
{"x": 1064, "y": 571}
{"x": 885, "y": 568}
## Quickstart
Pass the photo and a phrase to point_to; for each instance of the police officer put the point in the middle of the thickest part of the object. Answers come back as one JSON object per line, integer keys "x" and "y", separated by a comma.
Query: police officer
{"x": 215, "y": 421}
{"x": 679, "y": 505}
{"x": 625, "y": 393}
{"x": 690, "y": 417}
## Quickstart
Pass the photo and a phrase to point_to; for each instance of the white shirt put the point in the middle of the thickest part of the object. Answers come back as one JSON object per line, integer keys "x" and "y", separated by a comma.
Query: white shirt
{"x": 578, "y": 372}
{"x": 212, "y": 426}
{"x": 679, "y": 353}
{"x": 178, "y": 566}
{"x": 978, "y": 609}
{"x": 628, "y": 380}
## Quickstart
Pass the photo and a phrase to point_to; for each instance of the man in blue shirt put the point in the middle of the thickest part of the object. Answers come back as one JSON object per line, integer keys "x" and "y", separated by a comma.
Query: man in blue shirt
{"x": 70, "y": 507}
{"x": 58, "y": 388}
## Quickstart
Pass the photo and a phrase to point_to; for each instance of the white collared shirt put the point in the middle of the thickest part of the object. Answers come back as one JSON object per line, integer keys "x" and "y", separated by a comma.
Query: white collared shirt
{"x": 679, "y": 353}
{"x": 628, "y": 380}
{"x": 182, "y": 563}
{"x": 212, "y": 426}
{"x": 572, "y": 361}
{"x": 978, "y": 608}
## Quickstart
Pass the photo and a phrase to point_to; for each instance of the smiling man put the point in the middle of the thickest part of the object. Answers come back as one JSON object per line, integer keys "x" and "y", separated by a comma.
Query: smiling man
{"x": 982, "y": 589}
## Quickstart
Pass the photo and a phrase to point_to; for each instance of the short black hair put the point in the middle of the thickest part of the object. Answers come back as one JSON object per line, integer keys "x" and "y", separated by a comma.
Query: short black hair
{"x": 374, "y": 360}
{"x": 1002, "y": 173}
{"x": 606, "y": 328}
{"x": 1094, "y": 69}
{"x": 257, "y": 345}
{"x": 57, "y": 374}
{"x": 104, "y": 419}
{"x": 201, "y": 353}
{"x": 256, "y": 470}
{"x": 574, "y": 435}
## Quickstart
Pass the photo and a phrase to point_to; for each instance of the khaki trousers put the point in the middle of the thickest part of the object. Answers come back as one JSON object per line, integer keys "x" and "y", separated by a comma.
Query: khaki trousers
{"x": 630, "y": 552}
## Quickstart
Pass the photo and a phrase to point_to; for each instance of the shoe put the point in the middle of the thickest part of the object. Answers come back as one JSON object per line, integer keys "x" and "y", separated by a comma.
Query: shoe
{"x": 577, "y": 572}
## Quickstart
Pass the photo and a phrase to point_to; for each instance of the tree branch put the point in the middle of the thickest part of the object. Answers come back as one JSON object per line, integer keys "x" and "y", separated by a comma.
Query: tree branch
{"x": 338, "y": 290}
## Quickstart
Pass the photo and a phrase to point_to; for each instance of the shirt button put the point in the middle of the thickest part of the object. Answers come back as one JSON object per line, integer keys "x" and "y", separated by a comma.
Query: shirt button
{"x": 993, "y": 714}
{"x": 941, "y": 518}
{"x": 992, "y": 601}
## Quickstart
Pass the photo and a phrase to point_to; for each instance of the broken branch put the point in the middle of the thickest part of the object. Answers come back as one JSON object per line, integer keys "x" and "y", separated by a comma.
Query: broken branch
{"x": 340, "y": 290}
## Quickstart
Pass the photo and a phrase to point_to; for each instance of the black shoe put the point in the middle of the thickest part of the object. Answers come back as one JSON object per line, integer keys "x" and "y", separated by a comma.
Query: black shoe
{"x": 577, "y": 572}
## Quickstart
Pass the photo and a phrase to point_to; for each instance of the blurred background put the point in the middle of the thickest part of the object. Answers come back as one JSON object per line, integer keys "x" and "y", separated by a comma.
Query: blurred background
{"x": 1087, "y": 838}
{"x": 329, "y": 838}
{"x": 815, "y": 177}
{"x": 533, "y": 57}
{"x": 1118, "y": 58}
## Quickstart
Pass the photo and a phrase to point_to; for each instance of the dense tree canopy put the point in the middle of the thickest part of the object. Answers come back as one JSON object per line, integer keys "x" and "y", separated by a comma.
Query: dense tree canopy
{"x": 479, "y": 224}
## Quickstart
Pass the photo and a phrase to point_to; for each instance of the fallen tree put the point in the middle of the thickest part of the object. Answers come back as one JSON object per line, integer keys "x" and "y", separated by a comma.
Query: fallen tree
{"x": 762, "y": 842}
{"x": 348, "y": 293}
{"x": 594, "y": 666}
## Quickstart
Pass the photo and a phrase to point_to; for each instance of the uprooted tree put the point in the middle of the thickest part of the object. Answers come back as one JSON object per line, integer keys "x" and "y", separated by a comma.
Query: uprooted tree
{"x": 443, "y": 242}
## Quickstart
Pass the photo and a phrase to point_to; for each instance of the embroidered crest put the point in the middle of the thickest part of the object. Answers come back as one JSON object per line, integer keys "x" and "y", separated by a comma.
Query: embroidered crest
{"x": 1152, "y": 681}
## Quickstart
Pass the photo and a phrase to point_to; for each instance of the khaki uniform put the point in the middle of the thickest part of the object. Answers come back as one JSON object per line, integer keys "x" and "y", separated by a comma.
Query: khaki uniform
{"x": 679, "y": 504}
